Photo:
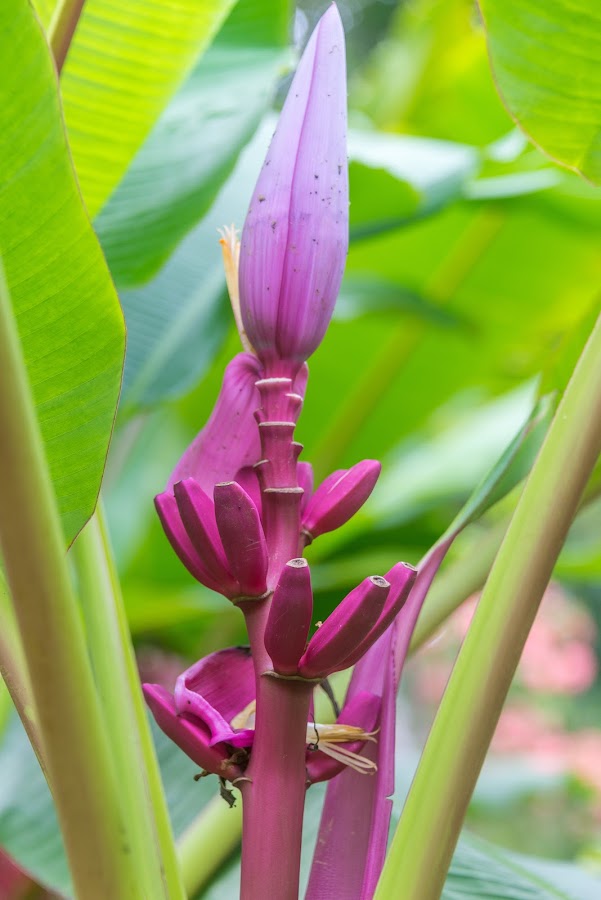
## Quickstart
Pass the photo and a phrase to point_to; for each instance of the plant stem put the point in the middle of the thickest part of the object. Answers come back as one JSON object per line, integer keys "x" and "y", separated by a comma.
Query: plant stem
{"x": 274, "y": 798}
{"x": 13, "y": 669}
{"x": 143, "y": 800}
{"x": 62, "y": 28}
{"x": 74, "y": 741}
{"x": 208, "y": 842}
{"x": 433, "y": 815}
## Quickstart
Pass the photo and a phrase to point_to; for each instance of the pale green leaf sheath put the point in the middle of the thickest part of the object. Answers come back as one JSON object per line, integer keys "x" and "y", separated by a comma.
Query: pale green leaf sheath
{"x": 68, "y": 314}
{"x": 545, "y": 58}
{"x": 125, "y": 62}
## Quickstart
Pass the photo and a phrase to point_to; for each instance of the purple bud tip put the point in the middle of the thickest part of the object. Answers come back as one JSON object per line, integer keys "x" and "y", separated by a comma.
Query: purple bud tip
{"x": 402, "y": 578}
{"x": 295, "y": 238}
{"x": 345, "y": 628}
{"x": 339, "y": 497}
{"x": 290, "y": 617}
{"x": 242, "y": 538}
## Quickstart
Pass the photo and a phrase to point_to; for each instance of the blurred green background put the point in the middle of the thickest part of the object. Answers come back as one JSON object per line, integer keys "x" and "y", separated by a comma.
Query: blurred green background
{"x": 472, "y": 282}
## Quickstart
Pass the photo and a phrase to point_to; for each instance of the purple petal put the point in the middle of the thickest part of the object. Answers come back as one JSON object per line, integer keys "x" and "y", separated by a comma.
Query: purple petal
{"x": 353, "y": 831}
{"x": 295, "y": 237}
{"x": 215, "y": 690}
{"x": 338, "y": 498}
{"x": 345, "y": 628}
{"x": 230, "y": 440}
{"x": 290, "y": 617}
{"x": 178, "y": 538}
{"x": 190, "y": 736}
{"x": 361, "y": 711}
{"x": 359, "y": 806}
{"x": 242, "y": 537}
{"x": 198, "y": 516}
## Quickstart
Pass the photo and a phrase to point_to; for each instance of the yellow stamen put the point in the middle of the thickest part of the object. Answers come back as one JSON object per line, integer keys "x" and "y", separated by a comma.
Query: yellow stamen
{"x": 230, "y": 248}
{"x": 246, "y": 717}
{"x": 324, "y": 738}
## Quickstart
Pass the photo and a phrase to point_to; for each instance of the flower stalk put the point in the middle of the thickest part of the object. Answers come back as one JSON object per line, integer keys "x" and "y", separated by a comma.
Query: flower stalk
{"x": 273, "y": 791}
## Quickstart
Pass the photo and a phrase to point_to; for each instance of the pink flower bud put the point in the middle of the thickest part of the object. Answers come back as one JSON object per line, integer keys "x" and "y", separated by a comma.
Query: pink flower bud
{"x": 242, "y": 537}
{"x": 295, "y": 237}
{"x": 402, "y": 578}
{"x": 178, "y": 538}
{"x": 289, "y": 617}
{"x": 198, "y": 516}
{"x": 344, "y": 629}
{"x": 339, "y": 497}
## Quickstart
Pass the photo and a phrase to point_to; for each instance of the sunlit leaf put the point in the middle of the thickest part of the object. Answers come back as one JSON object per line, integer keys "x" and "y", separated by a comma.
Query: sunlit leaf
{"x": 125, "y": 62}
{"x": 68, "y": 315}
{"x": 545, "y": 57}
{"x": 193, "y": 148}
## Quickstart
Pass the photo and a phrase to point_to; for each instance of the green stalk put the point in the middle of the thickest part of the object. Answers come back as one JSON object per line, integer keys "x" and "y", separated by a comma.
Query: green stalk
{"x": 75, "y": 745}
{"x": 62, "y": 28}
{"x": 435, "y": 808}
{"x": 209, "y": 841}
{"x": 13, "y": 669}
{"x": 113, "y": 659}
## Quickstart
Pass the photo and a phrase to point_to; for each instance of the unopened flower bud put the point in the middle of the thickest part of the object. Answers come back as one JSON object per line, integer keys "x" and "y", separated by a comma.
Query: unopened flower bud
{"x": 339, "y": 497}
{"x": 290, "y": 617}
{"x": 295, "y": 238}
{"x": 345, "y": 628}
{"x": 242, "y": 538}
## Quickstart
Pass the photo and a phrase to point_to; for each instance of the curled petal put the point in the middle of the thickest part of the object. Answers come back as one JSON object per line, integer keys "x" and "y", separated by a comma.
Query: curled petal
{"x": 295, "y": 237}
{"x": 242, "y": 537}
{"x": 290, "y": 617}
{"x": 215, "y": 690}
{"x": 339, "y": 497}
{"x": 229, "y": 441}
{"x": 345, "y": 628}
{"x": 190, "y": 735}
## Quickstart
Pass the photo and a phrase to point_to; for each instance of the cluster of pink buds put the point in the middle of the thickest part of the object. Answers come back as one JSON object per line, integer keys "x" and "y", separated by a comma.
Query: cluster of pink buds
{"x": 239, "y": 509}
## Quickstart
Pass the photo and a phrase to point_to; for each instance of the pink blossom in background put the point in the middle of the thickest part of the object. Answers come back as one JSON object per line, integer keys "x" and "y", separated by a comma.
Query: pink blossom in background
{"x": 558, "y": 660}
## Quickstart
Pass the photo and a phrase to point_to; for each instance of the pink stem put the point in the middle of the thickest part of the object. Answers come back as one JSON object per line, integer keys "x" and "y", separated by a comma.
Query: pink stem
{"x": 274, "y": 798}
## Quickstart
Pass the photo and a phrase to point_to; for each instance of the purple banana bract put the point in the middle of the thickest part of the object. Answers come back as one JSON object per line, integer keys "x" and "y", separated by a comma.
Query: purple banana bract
{"x": 295, "y": 238}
